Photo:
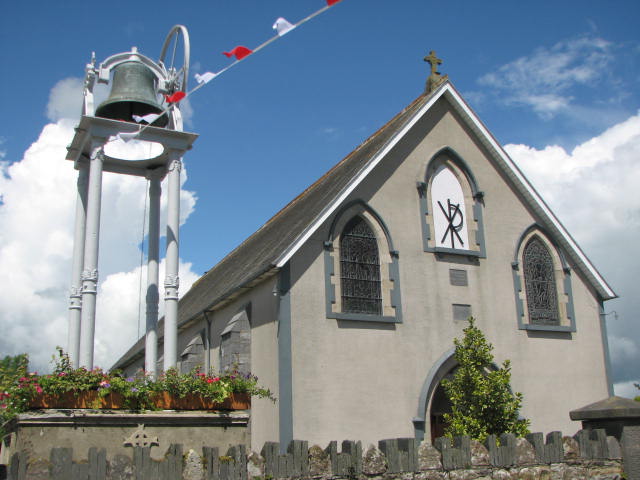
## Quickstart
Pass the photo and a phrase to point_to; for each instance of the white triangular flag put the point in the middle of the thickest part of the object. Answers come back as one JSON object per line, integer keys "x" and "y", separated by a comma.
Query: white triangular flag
{"x": 205, "y": 77}
{"x": 126, "y": 136}
{"x": 282, "y": 26}
{"x": 149, "y": 117}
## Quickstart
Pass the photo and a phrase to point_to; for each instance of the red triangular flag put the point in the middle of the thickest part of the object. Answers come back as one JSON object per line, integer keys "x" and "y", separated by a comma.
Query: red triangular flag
{"x": 240, "y": 52}
{"x": 332, "y": 2}
{"x": 176, "y": 97}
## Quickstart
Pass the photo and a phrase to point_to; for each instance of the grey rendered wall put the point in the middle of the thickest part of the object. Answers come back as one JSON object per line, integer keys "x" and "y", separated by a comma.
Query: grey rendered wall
{"x": 369, "y": 376}
{"x": 264, "y": 352}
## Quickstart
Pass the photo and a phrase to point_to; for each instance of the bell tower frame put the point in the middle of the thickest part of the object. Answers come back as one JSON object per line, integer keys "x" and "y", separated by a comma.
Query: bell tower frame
{"x": 92, "y": 156}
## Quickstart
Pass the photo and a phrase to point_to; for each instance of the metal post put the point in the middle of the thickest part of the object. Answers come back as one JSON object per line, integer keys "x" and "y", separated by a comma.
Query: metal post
{"x": 207, "y": 343}
{"x": 90, "y": 271}
{"x": 75, "y": 297}
{"x": 172, "y": 281}
{"x": 153, "y": 297}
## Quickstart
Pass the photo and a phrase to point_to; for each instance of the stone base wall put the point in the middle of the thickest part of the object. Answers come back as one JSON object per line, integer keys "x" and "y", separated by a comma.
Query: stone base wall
{"x": 589, "y": 454}
{"x": 116, "y": 433}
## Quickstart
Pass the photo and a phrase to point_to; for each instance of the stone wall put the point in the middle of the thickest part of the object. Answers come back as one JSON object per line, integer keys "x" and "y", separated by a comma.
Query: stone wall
{"x": 589, "y": 454}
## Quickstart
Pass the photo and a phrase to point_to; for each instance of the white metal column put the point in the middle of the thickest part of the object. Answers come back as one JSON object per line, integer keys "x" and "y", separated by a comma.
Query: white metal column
{"x": 153, "y": 297}
{"x": 90, "y": 269}
{"x": 172, "y": 281}
{"x": 75, "y": 296}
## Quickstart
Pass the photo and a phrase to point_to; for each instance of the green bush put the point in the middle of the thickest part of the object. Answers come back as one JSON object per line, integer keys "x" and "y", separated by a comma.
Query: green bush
{"x": 482, "y": 403}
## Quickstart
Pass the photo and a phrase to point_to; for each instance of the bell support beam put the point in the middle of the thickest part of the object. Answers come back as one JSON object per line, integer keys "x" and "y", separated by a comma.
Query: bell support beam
{"x": 153, "y": 296}
{"x": 75, "y": 297}
{"x": 172, "y": 281}
{"x": 91, "y": 245}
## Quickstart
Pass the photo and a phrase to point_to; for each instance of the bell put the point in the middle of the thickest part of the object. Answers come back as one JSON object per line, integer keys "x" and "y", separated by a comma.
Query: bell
{"x": 132, "y": 93}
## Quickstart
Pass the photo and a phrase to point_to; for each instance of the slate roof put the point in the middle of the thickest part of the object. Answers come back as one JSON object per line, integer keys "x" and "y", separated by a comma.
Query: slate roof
{"x": 260, "y": 252}
{"x": 275, "y": 242}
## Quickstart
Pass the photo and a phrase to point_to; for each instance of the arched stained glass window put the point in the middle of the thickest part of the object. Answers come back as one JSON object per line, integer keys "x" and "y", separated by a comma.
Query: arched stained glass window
{"x": 360, "y": 269}
{"x": 540, "y": 283}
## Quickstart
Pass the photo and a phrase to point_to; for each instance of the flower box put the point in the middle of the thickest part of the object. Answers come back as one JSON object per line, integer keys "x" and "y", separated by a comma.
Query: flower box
{"x": 162, "y": 401}
{"x": 165, "y": 401}
{"x": 85, "y": 399}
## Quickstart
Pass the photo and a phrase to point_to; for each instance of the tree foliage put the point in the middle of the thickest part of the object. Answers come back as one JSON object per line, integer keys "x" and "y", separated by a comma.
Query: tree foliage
{"x": 482, "y": 402}
{"x": 11, "y": 369}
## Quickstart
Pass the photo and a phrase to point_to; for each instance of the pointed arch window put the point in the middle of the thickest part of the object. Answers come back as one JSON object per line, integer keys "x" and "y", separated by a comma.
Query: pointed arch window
{"x": 450, "y": 214}
{"x": 451, "y": 207}
{"x": 362, "y": 276}
{"x": 360, "y": 269}
{"x": 540, "y": 284}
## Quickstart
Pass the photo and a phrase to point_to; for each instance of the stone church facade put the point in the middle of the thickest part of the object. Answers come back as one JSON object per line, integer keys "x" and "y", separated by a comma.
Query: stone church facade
{"x": 347, "y": 301}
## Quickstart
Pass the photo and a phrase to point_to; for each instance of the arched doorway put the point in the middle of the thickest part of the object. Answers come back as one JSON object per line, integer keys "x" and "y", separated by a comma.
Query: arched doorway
{"x": 433, "y": 402}
{"x": 440, "y": 405}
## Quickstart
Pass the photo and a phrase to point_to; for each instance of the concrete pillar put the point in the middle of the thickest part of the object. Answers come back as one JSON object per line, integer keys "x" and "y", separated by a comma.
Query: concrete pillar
{"x": 75, "y": 297}
{"x": 153, "y": 297}
{"x": 90, "y": 269}
{"x": 172, "y": 281}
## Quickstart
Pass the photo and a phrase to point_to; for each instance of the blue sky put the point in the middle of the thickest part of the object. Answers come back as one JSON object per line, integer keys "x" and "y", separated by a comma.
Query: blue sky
{"x": 554, "y": 81}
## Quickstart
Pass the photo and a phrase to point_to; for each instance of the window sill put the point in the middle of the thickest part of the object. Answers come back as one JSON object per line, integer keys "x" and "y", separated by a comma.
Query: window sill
{"x": 455, "y": 251}
{"x": 362, "y": 317}
{"x": 548, "y": 328}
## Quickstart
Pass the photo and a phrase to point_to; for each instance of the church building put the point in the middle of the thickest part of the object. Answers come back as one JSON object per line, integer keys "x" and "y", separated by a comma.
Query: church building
{"x": 346, "y": 303}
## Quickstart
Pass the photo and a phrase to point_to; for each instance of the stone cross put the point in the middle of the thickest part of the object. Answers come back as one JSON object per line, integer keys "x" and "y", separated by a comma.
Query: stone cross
{"x": 434, "y": 61}
{"x": 434, "y": 78}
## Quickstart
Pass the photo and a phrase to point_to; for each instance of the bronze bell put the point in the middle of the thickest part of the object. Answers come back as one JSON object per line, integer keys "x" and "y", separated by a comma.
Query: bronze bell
{"x": 132, "y": 93}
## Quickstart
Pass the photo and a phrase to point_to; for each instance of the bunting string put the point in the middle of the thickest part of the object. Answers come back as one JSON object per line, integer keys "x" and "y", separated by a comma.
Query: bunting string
{"x": 240, "y": 52}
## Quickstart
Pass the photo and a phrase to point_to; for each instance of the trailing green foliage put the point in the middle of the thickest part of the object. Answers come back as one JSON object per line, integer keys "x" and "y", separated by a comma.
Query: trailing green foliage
{"x": 482, "y": 403}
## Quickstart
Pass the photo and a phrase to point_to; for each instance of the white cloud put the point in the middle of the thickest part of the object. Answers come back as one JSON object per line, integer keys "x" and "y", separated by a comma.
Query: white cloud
{"x": 594, "y": 191}
{"x": 65, "y": 99}
{"x": 543, "y": 79}
{"x": 626, "y": 350}
{"x": 119, "y": 310}
{"x": 36, "y": 241}
{"x": 626, "y": 389}
{"x": 596, "y": 181}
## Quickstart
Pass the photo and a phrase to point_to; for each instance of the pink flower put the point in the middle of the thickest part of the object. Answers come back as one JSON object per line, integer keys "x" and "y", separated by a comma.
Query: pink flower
{"x": 62, "y": 374}
{"x": 38, "y": 389}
